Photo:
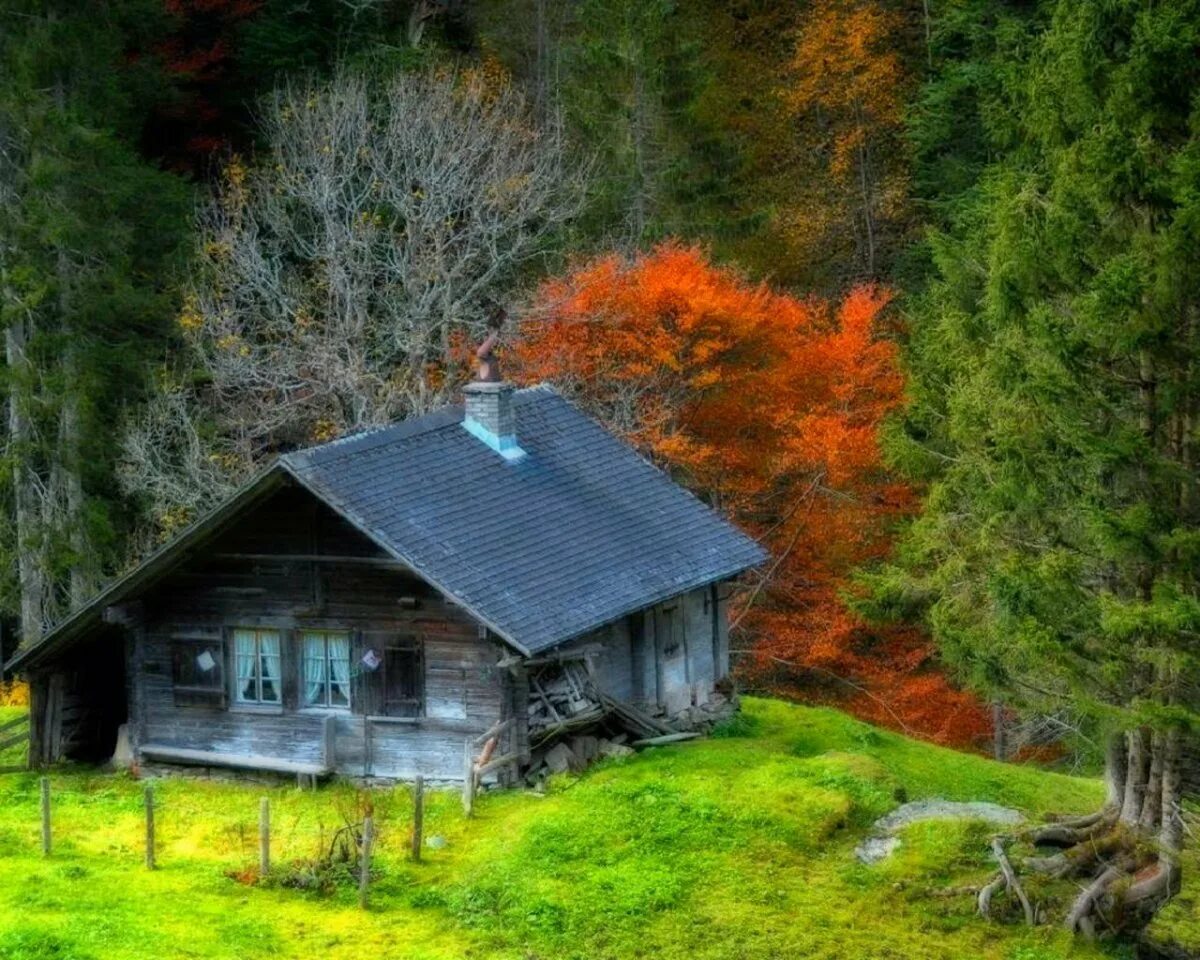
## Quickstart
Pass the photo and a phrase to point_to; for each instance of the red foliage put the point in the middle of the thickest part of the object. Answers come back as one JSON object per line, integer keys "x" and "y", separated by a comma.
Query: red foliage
{"x": 198, "y": 58}
{"x": 769, "y": 407}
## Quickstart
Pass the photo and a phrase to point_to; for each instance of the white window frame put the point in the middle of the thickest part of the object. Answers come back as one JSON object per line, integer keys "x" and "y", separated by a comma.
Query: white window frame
{"x": 328, "y": 683}
{"x": 239, "y": 699}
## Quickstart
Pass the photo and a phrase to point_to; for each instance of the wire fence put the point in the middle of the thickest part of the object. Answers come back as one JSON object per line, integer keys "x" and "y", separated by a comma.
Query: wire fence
{"x": 309, "y": 838}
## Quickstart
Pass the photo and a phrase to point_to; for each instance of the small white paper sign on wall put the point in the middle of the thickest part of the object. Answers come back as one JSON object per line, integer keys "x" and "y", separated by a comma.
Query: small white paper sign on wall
{"x": 371, "y": 660}
{"x": 206, "y": 661}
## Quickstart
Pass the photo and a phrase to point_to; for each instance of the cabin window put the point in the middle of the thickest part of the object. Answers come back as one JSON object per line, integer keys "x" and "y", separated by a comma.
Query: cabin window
{"x": 259, "y": 668}
{"x": 198, "y": 671}
{"x": 404, "y": 678}
{"x": 326, "y": 669}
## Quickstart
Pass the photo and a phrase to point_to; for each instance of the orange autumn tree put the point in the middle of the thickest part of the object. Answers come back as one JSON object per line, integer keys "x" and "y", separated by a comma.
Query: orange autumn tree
{"x": 767, "y": 406}
{"x": 845, "y": 91}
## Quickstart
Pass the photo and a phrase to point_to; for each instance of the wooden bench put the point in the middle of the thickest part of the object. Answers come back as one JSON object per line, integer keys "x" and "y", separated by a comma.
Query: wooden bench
{"x": 240, "y": 761}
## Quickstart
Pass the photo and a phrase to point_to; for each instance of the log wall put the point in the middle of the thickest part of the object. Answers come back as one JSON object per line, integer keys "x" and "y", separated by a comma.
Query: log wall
{"x": 667, "y": 658}
{"x": 259, "y": 575}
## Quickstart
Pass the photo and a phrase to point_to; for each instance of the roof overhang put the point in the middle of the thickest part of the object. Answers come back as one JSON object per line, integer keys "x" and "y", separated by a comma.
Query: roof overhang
{"x": 75, "y": 627}
{"x": 69, "y": 631}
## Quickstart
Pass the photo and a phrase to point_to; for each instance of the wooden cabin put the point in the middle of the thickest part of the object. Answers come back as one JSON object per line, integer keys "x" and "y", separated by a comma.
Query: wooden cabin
{"x": 368, "y": 606}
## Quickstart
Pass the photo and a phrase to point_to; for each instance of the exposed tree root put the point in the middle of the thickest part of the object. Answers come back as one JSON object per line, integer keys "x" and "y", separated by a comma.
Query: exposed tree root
{"x": 1080, "y": 918}
{"x": 1079, "y": 823}
{"x": 1007, "y": 881}
{"x": 984, "y": 900}
{"x": 1094, "y": 847}
{"x": 1076, "y": 830}
{"x": 1125, "y": 855}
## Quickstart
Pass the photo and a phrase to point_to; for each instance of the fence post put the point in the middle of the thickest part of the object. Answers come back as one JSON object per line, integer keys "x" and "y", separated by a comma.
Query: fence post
{"x": 468, "y": 799}
{"x": 45, "y": 816}
{"x": 264, "y": 837}
{"x": 149, "y": 801}
{"x": 364, "y": 880}
{"x": 418, "y": 817}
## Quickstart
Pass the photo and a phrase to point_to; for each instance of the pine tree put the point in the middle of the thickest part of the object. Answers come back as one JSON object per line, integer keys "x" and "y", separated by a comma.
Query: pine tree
{"x": 86, "y": 234}
{"x": 1054, "y": 381}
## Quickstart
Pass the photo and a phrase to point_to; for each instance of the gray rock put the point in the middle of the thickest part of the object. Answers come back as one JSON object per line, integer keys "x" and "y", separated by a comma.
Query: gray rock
{"x": 946, "y": 810}
{"x": 436, "y": 842}
{"x": 585, "y": 747}
{"x": 881, "y": 843}
{"x": 560, "y": 758}
{"x": 610, "y": 749}
{"x": 874, "y": 849}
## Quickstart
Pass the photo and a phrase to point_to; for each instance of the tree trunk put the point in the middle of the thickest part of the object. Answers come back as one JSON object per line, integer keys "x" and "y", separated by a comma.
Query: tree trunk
{"x": 70, "y": 438}
{"x": 1152, "y": 802}
{"x": 999, "y": 733}
{"x": 1170, "y": 836}
{"x": 1114, "y": 770}
{"x": 865, "y": 185}
{"x": 30, "y": 574}
{"x": 541, "y": 66}
{"x": 1136, "y": 773}
{"x": 637, "y": 210}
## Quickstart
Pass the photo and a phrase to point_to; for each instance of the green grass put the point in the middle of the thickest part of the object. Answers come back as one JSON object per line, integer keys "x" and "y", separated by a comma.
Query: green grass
{"x": 15, "y": 755}
{"x": 734, "y": 847}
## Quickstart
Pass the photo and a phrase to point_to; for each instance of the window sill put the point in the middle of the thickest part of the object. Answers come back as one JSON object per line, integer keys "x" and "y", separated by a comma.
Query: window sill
{"x": 324, "y": 711}
{"x": 405, "y": 721}
{"x": 264, "y": 709}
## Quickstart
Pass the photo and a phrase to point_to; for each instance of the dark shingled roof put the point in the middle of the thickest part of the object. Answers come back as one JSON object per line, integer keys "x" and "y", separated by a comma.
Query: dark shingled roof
{"x": 577, "y": 534}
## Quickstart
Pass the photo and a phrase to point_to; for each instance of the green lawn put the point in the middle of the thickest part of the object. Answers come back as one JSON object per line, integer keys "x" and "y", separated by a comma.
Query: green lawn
{"x": 735, "y": 847}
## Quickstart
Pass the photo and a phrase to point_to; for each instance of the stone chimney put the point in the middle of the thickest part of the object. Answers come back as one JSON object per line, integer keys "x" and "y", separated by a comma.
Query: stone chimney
{"x": 489, "y": 414}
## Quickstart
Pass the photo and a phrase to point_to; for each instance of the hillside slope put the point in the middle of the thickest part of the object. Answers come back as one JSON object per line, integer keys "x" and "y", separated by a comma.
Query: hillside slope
{"x": 735, "y": 847}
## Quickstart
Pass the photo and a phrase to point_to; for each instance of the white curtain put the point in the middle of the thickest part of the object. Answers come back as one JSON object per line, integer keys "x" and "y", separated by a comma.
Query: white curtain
{"x": 269, "y": 649}
{"x": 339, "y": 666}
{"x": 314, "y": 669}
{"x": 246, "y": 649}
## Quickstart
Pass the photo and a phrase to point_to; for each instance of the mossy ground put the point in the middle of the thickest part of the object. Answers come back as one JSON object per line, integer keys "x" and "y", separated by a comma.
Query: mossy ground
{"x": 734, "y": 847}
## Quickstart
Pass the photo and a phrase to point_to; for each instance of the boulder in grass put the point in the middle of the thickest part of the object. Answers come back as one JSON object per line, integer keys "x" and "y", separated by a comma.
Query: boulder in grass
{"x": 585, "y": 747}
{"x": 560, "y": 758}
{"x": 610, "y": 749}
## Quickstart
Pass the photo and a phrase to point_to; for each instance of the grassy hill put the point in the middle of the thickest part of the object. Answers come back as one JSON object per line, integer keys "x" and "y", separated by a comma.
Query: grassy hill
{"x": 735, "y": 847}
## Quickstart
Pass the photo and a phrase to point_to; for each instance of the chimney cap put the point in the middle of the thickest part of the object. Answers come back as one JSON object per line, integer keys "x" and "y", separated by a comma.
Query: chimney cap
{"x": 489, "y": 365}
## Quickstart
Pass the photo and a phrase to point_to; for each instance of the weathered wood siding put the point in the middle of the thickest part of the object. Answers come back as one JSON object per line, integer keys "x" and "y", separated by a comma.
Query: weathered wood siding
{"x": 250, "y": 577}
{"x": 666, "y": 658}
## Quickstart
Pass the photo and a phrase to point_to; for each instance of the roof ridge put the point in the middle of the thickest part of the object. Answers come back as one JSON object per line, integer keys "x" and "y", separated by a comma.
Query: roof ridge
{"x": 437, "y": 419}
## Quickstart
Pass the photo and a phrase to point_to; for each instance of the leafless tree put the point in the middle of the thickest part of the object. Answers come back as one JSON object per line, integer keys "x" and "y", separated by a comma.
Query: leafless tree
{"x": 336, "y": 279}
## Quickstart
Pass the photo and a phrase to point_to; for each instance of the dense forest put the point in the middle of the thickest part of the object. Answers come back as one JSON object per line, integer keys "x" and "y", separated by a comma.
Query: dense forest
{"x": 905, "y": 288}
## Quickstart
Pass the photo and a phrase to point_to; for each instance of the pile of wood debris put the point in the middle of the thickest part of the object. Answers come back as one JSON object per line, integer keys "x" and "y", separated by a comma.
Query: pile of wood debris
{"x": 572, "y": 722}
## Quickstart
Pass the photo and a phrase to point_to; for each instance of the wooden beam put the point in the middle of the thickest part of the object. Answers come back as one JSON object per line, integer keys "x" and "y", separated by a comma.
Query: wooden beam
{"x": 495, "y": 764}
{"x": 329, "y": 742}
{"x": 210, "y": 758}
{"x": 385, "y": 562}
{"x": 494, "y": 731}
{"x": 666, "y": 739}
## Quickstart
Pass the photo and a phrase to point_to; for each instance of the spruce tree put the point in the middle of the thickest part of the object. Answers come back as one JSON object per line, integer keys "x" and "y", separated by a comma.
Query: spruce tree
{"x": 1054, "y": 381}
{"x": 87, "y": 229}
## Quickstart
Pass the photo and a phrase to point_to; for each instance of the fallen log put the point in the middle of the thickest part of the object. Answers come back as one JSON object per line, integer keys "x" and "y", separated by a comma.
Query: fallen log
{"x": 665, "y": 739}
